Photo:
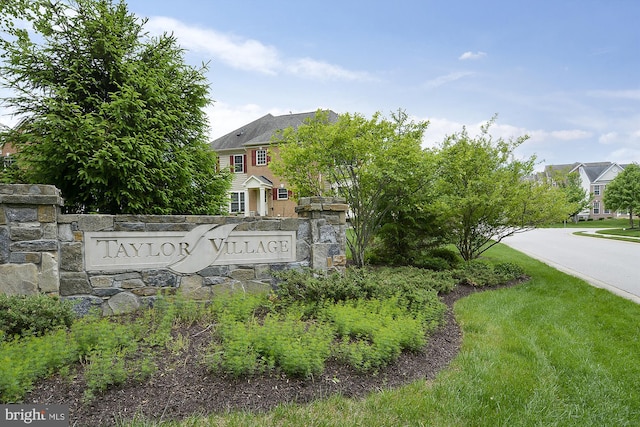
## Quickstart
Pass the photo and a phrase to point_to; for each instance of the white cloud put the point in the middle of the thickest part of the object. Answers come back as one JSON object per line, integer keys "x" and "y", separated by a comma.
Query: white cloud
{"x": 472, "y": 55}
{"x": 570, "y": 134}
{"x": 321, "y": 70}
{"x": 247, "y": 54}
{"x": 438, "y": 130}
{"x": 447, "y": 78}
{"x": 244, "y": 54}
{"x": 224, "y": 118}
{"x": 608, "y": 138}
{"x": 625, "y": 155}
{"x": 616, "y": 94}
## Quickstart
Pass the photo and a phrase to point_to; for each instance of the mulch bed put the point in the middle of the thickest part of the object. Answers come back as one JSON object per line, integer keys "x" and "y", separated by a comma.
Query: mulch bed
{"x": 182, "y": 386}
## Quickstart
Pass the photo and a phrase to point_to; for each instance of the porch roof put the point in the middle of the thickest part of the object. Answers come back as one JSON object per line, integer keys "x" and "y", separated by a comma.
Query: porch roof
{"x": 255, "y": 181}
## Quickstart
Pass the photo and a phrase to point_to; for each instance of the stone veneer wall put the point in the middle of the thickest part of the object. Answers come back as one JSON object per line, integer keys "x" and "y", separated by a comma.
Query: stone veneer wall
{"x": 42, "y": 250}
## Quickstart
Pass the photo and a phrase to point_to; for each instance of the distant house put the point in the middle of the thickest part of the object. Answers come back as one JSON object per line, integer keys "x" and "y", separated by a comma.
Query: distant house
{"x": 255, "y": 190}
{"x": 594, "y": 178}
{"x": 8, "y": 150}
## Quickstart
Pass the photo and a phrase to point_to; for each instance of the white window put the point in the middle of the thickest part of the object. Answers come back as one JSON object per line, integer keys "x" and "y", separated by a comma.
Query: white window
{"x": 237, "y": 202}
{"x": 596, "y": 207}
{"x": 261, "y": 157}
{"x": 238, "y": 163}
{"x": 596, "y": 190}
{"x": 283, "y": 194}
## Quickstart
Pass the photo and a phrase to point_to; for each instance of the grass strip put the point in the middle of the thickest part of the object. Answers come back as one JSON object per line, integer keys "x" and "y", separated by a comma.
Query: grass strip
{"x": 607, "y": 236}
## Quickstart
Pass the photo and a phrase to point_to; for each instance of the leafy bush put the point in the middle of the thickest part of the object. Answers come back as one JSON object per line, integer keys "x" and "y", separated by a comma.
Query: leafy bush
{"x": 33, "y": 315}
{"x": 452, "y": 257}
{"x": 373, "y": 333}
{"x": 508, "y": 271}
{"x": 354, "y": 284}
{"x": 432, "y": 263}
{"x": 102, "y": 335}
{"x": 478, "y": 273}
{"x": 23, "y": 361}
{"x": 389, "y": 281}
{"x": 305, "y": 285}
{"x": 103, "y": 370}
{"x": 239, "y": 306}
{"x": 296, "y": 347}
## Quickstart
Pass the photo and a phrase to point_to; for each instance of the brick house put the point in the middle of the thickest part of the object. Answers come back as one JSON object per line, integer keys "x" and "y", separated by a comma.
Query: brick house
{"x": 255, "y": 190}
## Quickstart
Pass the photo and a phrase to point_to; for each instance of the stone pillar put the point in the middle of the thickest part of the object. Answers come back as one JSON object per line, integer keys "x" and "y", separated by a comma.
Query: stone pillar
{"x": 328, "y": 224}
{"x": 29, "y": 245}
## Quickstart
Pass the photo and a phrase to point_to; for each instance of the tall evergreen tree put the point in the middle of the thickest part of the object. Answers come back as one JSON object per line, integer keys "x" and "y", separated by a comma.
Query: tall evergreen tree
{"x": 113, "y": 117}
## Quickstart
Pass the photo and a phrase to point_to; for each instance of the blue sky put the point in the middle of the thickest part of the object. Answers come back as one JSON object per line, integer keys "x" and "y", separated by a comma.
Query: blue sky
{"x": 565, "y": 72}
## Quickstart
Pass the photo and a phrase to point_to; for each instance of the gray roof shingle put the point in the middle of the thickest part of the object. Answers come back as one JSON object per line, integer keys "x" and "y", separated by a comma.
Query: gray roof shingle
{"x": 259, "y": 131}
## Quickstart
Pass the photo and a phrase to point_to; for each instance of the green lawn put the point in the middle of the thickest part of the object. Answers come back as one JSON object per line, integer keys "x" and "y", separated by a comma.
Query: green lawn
{"x": 551, "y": 352}
{"x": 625, "y": 232}
{"x": 605, "y": 223}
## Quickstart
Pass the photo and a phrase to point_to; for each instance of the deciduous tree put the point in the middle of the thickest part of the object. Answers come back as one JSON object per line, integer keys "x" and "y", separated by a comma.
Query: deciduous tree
{"x": 373, "y": 163}
{"x": 577, "y": 196}
{"x": 113, "y": 117}
{"x": 623, "y": 192}
{"x": 485, "y": 195}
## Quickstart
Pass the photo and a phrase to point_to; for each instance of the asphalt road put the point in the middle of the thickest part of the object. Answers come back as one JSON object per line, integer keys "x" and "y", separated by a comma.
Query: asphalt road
{"x": 605, "y": 263}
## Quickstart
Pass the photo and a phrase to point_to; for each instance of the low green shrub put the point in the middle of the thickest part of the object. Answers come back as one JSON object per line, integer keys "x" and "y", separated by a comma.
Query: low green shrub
{"x": 438, "y": 259}
{"x": 479, "y": 273}
{"x": 354, "y": 284}
{"x": 373, "y": 333}
{"x": 432, "y": 263}
{"x": 25, "y": 360}
{"x": 285, "y": 342}
{"x": 22, "y": 315}
{"x": 239, "y": 306}
{"x": 236, "y": 354}
{"x": 102, "y": 370}
{"x": 451, "y": 256}
{"x": 102, "y": 335}
{"x": 508, "y": 271}
{"x": 389, "y": 281}
{"x": 115, "y": 367}
{"x": 305, "y": 285}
